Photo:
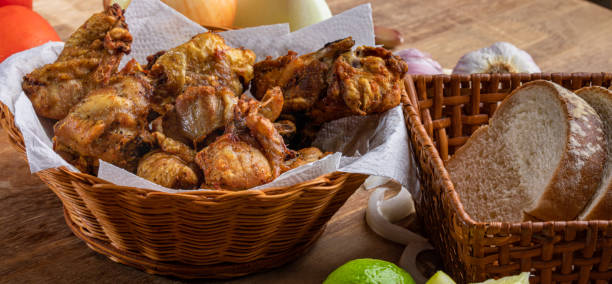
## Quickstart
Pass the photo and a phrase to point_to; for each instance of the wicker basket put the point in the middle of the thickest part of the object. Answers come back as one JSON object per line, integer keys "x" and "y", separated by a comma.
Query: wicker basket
{"x": 448, "y": 111}
{"x": 210, "y": 234}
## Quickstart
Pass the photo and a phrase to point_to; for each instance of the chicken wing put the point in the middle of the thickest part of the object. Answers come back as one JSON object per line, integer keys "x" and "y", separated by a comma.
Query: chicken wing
{"x": 205, "y": 60}
{"x": 109, "y": 124}
{"x": 250, "y": 153}
{"x": 302, "y": 78}
{"x": 365, "y": 81}
{"x": 90, "y": 56}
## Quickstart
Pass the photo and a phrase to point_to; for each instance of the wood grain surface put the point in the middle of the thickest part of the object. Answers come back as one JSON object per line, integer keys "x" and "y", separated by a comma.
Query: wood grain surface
{"x": 567, "y": 35}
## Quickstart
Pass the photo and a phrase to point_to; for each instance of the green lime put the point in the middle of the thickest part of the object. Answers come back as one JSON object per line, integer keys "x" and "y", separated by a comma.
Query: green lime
{"x": 440, "y": 278}
{"x": 369, "y": 271}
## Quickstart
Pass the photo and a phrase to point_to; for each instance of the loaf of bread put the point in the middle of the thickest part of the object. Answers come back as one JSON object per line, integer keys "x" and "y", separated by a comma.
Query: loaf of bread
{"x": 539, "y": 157}
{"x": 600, "y": 207}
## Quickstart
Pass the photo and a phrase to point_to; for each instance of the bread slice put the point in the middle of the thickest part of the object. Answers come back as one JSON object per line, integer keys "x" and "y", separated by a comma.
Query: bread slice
{"x": 541, "y": 154}
{"x": 600, "y": 207}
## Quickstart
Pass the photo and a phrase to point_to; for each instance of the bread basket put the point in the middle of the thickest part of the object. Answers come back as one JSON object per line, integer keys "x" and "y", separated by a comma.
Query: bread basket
{"x": 204, "y": 234}
{"x": 445, "y": 111}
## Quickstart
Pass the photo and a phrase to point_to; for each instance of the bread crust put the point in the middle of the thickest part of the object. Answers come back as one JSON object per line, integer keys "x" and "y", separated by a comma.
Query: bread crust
{"x": 572, "y": 186}
{"x": 602, "y": 207}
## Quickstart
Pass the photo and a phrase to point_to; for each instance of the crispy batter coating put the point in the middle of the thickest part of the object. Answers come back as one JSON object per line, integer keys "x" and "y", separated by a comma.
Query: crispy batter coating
{"x": 230, "y": 163}
{"x": 365, "y": 81}
{"x": 250, "y": 153}
{"x": 286, "y": 128}
{"x": 168, "y": 170}
{"x": 305, "y": 156}
{"x": 272, "y": 104}
{"x": 109, "y": 124}
{"x": 202, "y": 110}
{"x": 205, "y": 60}
{"x": 174, "y": 147}
{"x": 89, "y": 58}
{"x": 302, "y": 78}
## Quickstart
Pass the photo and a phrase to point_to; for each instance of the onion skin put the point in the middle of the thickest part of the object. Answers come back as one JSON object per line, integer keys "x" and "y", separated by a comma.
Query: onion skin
{"x": 419, "y": 62}
{"x": 122, "y": 3}
{"x": 210, "y": 13}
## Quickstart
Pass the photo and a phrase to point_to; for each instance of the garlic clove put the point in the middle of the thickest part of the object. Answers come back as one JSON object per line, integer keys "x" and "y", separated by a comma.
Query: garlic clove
{"x": 419, "y": 62}
{"x": 501, "y": 57}
{"x": 387, "y": 37}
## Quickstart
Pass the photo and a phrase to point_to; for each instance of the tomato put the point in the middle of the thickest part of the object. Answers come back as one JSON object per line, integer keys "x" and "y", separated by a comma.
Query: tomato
{"x": 25, "y": 3}
{"x": 21, "y": 29}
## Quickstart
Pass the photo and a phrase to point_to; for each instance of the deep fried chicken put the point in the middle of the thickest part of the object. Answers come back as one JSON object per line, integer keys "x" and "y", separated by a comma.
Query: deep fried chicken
{"x": 109, "y": 124}
{"x": 205, "y": 60}
{"x": 250, "y": 153}
{"x": 202, "y": 110}
{"x": 305, "y": 156}
{"x": 172, "y": 165}
{"x": 302, "y": 78}
{"x": 365, "y": 81}
{"x": 168, "y": 170}
{"x": 89, "y": 58}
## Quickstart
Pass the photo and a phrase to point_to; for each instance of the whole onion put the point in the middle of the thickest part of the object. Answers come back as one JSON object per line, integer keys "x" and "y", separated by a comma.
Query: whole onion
{"x": 419, "y": 62}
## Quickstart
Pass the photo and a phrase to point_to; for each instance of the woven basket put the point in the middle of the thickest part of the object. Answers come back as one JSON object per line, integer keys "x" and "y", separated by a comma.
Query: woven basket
{"x": 204, "y": 234}
{"x": 448, "y": 110}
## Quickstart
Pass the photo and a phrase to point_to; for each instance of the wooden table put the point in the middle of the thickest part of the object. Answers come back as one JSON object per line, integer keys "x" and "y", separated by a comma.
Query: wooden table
{"x": 568, "y": 36}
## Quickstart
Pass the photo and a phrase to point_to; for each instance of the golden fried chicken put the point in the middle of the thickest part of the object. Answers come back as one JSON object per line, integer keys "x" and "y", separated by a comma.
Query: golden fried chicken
{"x": 172, "y": 165}
{"x": 201, "y": 110}
{"x": 302, "y": 78}
{"x": 365, "y": 81}
{"x": 272, "y": 104}
{"x": 205, "y": 60}
{"x": 109, "y": 124}
{"x": 168, "y": 170}
{"x": 89, "y": 58}
{"x": 250, "y": 153}
{"x": 305, "y": 156}
{"x": 286, "y": 128}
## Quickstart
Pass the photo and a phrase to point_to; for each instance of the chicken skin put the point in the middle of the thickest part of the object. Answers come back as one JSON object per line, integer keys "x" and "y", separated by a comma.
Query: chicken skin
{"x": 305, "y": 156}
{"x": 250, "y": 152}
{"x": 205, "y": 60}
{"x": 302, "y": 79}
{"x": 172, "y": 165}
{"x": 202, "y": 110}
{"x": 89, "y": 58}
{"x": 109, "y": 124}
{"x": 365, "y": 81}
{"x": 168, "y": 170}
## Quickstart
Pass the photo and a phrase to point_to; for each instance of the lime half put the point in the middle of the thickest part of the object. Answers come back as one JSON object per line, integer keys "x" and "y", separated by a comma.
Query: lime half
{"x": 368, "y": 271}
{"x": 440, "y": 278}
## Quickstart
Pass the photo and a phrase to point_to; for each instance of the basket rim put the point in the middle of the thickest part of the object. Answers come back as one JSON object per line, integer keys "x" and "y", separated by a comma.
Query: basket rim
{"x": 413, "y": 119}
{"x": 7, "y": 121}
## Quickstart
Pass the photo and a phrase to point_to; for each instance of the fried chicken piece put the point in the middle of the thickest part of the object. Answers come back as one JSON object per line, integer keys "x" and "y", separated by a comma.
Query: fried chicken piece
{"x": 109, "y": 124}
{"x": 305, "y": 156}
{"x": 202, "y": 110}
{"x": 365, "y": 81}
{"x": 205, "y": 60}
{"x": 89, "y": 58}
{"x": 168, "y": 170}
{"x": 250, "y": 153}
{"x": 174, "y": 147}
{"x": 302, "y": 78}
{"x": 286, "y": 128}
{"x": 272, "y": 104}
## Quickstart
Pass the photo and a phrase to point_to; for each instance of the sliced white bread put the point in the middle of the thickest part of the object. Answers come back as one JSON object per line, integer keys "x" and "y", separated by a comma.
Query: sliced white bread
{"x": 540, "y": 156}
{"x": 600, "y": 207}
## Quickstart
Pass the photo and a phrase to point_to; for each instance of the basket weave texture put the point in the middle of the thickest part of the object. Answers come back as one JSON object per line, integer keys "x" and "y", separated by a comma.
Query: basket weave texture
{"x": 445, "y": 111}
{"x": 212, "y": 234}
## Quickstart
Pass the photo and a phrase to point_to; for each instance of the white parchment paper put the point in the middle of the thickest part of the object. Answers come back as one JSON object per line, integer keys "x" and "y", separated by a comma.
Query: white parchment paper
{"x": 374, "y": 145}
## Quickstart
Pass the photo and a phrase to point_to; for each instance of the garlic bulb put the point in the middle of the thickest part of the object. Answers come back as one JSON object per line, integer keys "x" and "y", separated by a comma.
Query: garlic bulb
{"x": 501, "y": 57}
{"x": 419, "y": 62}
